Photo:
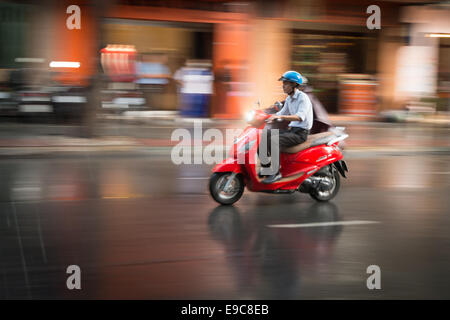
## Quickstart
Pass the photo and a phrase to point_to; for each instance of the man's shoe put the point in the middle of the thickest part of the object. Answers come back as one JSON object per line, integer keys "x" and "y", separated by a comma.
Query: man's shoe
{"x": 273, "y": 178}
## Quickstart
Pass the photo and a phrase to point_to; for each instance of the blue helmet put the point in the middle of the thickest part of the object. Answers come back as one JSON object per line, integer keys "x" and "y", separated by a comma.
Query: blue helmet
{"x": 292, "y": 76}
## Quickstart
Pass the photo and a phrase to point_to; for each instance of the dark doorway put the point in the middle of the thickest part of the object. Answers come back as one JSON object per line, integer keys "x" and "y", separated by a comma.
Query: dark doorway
{"x": 202, "y": 46}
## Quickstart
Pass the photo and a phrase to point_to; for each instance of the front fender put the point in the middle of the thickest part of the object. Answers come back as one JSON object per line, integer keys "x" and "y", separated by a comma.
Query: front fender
{"x": 229, "y": 165}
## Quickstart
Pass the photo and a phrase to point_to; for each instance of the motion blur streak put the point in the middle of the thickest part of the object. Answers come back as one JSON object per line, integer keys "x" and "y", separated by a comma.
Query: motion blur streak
{"x": 90, "y": 96}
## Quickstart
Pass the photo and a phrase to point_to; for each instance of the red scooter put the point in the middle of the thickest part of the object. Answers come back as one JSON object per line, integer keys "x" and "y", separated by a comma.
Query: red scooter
{"x": 311, "y": 167}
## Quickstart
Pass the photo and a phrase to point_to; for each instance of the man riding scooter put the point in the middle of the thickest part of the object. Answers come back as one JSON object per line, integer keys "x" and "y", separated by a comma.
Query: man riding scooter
{"x": 298, "y": 110}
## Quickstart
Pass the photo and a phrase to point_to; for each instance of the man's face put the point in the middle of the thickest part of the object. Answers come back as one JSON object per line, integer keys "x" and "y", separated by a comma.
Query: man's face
{"x": 288, "y": 87}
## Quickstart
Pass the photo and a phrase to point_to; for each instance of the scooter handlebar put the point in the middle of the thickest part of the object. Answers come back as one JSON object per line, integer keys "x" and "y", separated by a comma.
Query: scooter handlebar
{"x": 277, "y": 120}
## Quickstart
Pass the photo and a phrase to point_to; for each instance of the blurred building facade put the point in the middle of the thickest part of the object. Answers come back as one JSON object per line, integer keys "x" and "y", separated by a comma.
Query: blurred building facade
{"x": 249, "y": 45}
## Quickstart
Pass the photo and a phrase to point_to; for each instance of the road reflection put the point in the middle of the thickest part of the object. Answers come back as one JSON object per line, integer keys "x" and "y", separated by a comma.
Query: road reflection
{"x": 268, "y": 263}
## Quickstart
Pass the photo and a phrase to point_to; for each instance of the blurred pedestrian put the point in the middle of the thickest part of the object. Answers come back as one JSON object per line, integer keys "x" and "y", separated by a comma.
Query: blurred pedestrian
{"x": 196, "y": 83}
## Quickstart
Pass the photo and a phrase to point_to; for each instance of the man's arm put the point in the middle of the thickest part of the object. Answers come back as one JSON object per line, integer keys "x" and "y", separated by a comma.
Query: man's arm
{"x": 280, "y": 114}
{"x": 285, "y": 117}
{"x": 290, "y": 118}
{"x": 283, "y": 111}
{"x": 300, "y": 115}
{"x": 302, "y": 107}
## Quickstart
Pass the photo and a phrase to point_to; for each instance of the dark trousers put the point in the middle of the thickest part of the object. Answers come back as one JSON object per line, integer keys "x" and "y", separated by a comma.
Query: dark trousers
{"x": 287, "y": 138}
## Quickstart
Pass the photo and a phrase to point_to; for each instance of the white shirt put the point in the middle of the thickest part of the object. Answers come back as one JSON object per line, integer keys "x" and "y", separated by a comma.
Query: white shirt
{"x": 300, "y": 105}
{"x": 195, "y": 80}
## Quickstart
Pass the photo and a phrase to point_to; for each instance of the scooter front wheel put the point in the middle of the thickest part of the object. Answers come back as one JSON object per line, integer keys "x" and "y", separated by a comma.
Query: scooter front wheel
{"x": 226, "y": 187}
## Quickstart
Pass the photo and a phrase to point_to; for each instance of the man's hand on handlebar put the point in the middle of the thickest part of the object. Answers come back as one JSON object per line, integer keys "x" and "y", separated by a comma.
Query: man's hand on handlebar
{"x": 273, "y": 118}
{"x": 283, "y": 118}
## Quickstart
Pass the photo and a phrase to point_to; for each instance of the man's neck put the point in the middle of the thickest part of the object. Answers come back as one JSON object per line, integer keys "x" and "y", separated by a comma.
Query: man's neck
{"x": 292, "y": 93}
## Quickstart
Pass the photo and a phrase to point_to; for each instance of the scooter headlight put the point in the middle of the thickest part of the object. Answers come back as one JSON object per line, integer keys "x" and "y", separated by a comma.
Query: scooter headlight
{"x": 249, "y": 116}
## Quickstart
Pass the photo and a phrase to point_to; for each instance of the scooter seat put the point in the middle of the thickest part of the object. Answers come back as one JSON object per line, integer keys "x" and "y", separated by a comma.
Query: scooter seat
{"x": 312, "y": 141}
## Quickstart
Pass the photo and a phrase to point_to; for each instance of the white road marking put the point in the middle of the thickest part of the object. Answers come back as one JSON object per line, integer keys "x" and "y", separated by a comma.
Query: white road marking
{"x": 322, "y": 224}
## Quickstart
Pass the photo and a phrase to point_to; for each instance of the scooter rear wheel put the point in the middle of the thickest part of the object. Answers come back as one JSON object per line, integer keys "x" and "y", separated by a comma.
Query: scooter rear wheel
{"x": 217, "y": 184}
{"x": 322, "y": 196}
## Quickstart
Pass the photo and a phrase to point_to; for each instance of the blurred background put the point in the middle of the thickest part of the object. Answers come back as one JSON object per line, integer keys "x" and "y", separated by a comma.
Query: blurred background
{"x": 215, "y": 58}
{"x": 88, "y": 107}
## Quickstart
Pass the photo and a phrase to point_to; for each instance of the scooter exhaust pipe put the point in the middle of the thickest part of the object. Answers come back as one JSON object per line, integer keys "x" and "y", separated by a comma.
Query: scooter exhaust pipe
{"x": 306, "y": 186}
{"x": 313, "y": 183}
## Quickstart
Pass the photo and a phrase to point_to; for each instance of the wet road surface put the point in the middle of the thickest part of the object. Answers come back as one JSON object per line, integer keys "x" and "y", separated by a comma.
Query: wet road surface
{"x": 140, "y": 227}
